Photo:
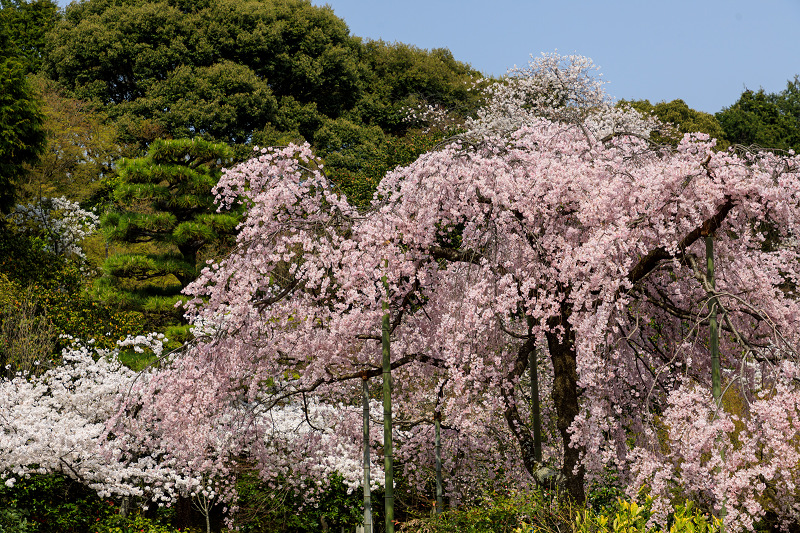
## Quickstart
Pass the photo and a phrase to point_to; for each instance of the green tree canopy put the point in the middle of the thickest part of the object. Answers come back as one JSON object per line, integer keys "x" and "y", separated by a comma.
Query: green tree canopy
{"x": 765, "y": 119}
{"x": 398, "y": 76}
{"x": 166, "y": 220}
{"x": 225, "y": 101}
{"x": 22, "y": 136}
{"x": 26, "y": 24}
{"x": 683, "y": 118}
{"x": 80, "y": 152}
{"x": 251, "y": 72}
{"x": 145, "y": 57}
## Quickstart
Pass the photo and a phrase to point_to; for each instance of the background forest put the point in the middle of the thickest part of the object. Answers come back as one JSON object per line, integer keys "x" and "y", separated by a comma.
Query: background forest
{"x": 117, "y": 118}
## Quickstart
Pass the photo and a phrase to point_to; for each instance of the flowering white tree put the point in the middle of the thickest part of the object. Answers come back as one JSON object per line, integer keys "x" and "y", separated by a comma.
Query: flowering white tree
{"x": 58, "y": 423}
{"x": 63, "y": 223}
{"x": 87, "y": 420}
{"x": 564, "y": 89}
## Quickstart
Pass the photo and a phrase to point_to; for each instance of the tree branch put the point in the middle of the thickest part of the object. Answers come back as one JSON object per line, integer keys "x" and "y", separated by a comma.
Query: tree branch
{"x": 649, "y": 262}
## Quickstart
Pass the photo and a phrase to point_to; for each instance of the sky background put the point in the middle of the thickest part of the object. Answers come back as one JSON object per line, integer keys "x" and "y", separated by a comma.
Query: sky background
{"x": 705, "y": 52}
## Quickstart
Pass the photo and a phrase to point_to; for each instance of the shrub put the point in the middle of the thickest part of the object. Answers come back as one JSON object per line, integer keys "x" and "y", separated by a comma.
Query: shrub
{"x": 541, "y": 512}
{"x": 630, "y": 517}
{"x": 504, "y": 513}
{"x": 50, "y": 504}
{"x": 131, "y": 524}
{"x": 282, "y": 510}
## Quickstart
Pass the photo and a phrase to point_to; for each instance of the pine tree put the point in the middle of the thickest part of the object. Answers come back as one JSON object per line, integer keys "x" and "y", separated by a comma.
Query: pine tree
{"x": 166, "y": 221}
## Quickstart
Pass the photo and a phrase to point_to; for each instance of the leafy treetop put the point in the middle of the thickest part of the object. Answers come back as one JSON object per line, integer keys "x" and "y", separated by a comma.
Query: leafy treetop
{"x": 768, "y": 120}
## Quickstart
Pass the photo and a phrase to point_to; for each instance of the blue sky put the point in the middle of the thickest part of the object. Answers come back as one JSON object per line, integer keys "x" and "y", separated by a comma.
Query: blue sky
{"x": 703, "y": 51}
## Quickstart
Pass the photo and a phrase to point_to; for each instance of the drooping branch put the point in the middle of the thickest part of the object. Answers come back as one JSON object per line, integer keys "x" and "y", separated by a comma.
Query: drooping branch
{"x": 359, "y": 374}
{"x": 511, "y": 412}
{"x": 648, "y": 263}
{"x": 456, "y": 255}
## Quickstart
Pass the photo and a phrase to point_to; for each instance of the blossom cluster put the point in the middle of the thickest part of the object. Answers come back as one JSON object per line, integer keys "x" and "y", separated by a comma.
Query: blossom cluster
{"x": 565, "y": 89}
{"x": 64, "y": 223}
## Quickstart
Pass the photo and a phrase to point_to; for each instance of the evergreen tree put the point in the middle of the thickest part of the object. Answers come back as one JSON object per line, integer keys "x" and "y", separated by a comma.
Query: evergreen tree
{"x": 22, "y": 136}
{"x": 166, "y": 220}
{"x": 683, "y": 118}
{"x": 253, "y": 72}
{"x": 765, "y": 119}
{"x": 26, "y": 24}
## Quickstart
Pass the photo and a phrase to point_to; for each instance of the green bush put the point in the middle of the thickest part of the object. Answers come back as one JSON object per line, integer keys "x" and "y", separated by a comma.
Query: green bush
{"x": 503, "y": 513}
{"x": 14, "y": 521}
{"x": 539, "y": 512}
{"x": 51, "y": 504}
{"x": 282, "y": 510}
{"x": 130, "y": 524}
{"x": 630, "y": 517}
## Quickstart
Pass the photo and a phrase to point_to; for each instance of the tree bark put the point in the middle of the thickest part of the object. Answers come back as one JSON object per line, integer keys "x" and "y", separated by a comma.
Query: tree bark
{"x": 565, "y": 399}
{"x": 183, "y": 512}
{"x": 536, "y": 418}
{"x": 513, "y": 419}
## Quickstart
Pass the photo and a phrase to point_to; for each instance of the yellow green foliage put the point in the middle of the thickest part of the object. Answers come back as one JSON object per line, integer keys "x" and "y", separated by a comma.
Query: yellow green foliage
{"x": 631, "y": 517}
{"x": 544, "y": 512}
{"x": 140, "y": 524}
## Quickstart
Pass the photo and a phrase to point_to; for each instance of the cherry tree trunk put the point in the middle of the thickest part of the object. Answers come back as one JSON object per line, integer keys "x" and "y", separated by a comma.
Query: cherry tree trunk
{"x": 716, "y": 379}
{"x": 513, "y": 419}
{"x": 536, "y": 418}
{"x": 565, "y": 399}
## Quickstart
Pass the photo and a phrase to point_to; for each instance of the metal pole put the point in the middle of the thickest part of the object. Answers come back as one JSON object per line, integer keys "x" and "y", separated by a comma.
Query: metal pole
{"x": 367, "y": 491}
{"x": 387, "y": 415}
{"x": 437, "y": 421}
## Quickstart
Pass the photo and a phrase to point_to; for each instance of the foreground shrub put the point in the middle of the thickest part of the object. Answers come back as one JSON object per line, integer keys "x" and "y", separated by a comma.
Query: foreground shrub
{"x": 504, "y": 513}
{"x": 137, "y": 524}
{"x": 543, "y": 512}
{"x": 50, "y": 504}
{"x": 630, "y": 517}
{"x": 282, "y": 510}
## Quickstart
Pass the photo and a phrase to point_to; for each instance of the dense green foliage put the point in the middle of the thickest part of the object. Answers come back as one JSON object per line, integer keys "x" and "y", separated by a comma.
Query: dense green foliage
{"x": 81, "y": 151}
{"x": 44, "y": 297}
{"x": 765, "y": 119}
{"x": 57, "y": 504}
{"x": 23, "y": 257}
{"x": 27, "y": 23}
{"x": 51, "y": 504}
{"x": 283, "y": 511}
{"x": 537, "y": 512}
{"x": 123, "y": 51}
{"x": 164, "y": 201}
{"x": 131, "y": 524}
{"x": 194, "y": 68}
{"x": 22, "y": 137}
{"x": 252, "y": 73}
{"x": 683, "y": 118}
{"x": 503, "y": 513}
